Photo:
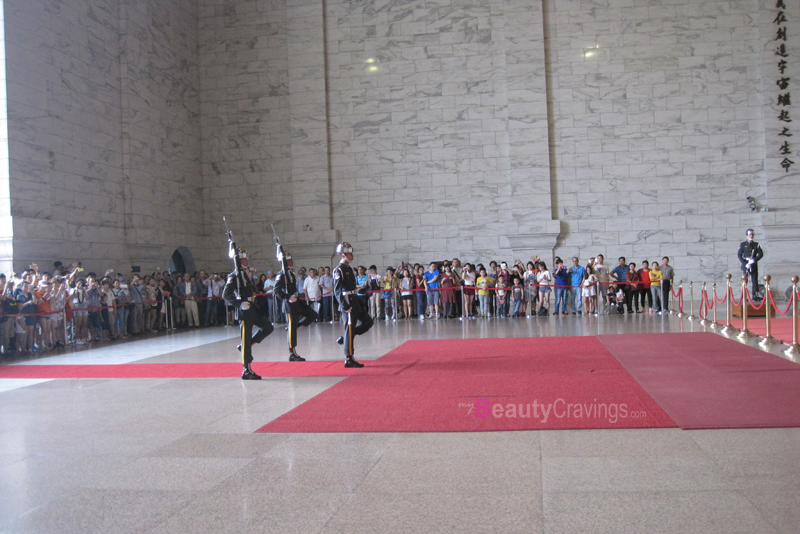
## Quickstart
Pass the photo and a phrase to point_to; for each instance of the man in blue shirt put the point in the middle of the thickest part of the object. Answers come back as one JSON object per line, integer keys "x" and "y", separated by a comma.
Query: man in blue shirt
{"x": 563, "y": 281}
{"x": 432, "y": 283}
{"x": 578, "y": 273}
{"x": 620, "y": 274}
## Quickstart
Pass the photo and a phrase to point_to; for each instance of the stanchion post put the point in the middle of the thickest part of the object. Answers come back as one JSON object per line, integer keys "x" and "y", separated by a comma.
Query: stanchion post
{"x": 794, "y": 348}
{"x": 691, "y": 302}
{"x": 728, "y": 328}
{"x": 745, "y": 333}
{"x": 680, "y": 292}
{"x": 714, "y": 325}
{"x": 703, "y": 299}
{"x": 768, "y": 339}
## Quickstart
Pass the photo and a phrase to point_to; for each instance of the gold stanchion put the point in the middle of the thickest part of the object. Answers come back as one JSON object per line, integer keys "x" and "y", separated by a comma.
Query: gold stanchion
{"x": 680, "y": 295}
{"x": 794, "y": 348}
{"x": 768, "y": 339}
{"x": 703, "y": 298}
{"x": 714, "y": 325}
{"x": 728, "y": 328}
{"x": 745, "y": 333}
{"x": 691, "y": 301}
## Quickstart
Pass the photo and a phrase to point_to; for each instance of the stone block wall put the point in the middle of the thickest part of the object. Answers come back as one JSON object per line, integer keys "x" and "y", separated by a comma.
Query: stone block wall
{"x": 103, "y": 114}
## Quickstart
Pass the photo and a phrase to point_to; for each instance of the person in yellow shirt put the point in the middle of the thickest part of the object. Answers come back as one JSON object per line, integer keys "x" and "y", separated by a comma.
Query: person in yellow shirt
{"x": 655, "y": 286}
{"x": 484, "y": 283}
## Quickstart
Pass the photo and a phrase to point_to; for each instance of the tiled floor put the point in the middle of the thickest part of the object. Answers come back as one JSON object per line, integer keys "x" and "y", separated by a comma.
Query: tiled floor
{"x": 179, "y": 455}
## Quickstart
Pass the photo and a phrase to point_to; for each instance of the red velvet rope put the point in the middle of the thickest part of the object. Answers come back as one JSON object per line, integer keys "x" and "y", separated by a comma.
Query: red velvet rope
{"x": 750, "y": 300}
{"x": 733, "y": 299}
{"x": 772, "y": 299}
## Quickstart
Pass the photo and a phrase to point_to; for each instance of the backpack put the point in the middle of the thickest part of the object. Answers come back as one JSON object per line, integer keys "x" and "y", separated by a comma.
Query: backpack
{"x": 542, "y": 312}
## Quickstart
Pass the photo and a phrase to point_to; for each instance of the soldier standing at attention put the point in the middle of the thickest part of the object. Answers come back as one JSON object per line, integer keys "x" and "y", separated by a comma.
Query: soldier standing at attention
{"x": 749, "y": 254}
{"x": 356, "y": 320}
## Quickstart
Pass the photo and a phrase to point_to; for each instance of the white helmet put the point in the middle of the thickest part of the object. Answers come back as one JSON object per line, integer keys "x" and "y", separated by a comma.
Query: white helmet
{"x": 344, "y": 248}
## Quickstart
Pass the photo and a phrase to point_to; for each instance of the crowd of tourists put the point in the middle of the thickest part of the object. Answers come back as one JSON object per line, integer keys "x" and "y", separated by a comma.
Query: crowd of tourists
{"x": 45, "y": 310}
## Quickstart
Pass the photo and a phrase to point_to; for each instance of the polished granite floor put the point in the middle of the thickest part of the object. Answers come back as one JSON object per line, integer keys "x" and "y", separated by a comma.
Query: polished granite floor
{"x": 180, "y": 455}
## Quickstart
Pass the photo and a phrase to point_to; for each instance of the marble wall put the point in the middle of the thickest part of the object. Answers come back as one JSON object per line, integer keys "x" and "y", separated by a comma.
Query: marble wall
{"x": 103, "y": 112}
{"x": 416, "y": 130}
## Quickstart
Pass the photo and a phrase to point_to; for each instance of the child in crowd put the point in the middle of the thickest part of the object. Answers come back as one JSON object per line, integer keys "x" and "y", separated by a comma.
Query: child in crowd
{"x": 589, "y": 292}
{"x": 375, "y": 284}
{"x": 407, "y": 296}
{"x": 390, "y": 304}
{"x": 448, "y": 282}
{"x": 469, "y": 289}
{"x": 502, "y": 298}
{"x": 422, "y": 300}
{"x": 619, "y": 300}
{"x": 484, "y": 282}
{"x": 656, "y": 276}
{"x": 517, "y": 297}
{"x": 545, "y": 280}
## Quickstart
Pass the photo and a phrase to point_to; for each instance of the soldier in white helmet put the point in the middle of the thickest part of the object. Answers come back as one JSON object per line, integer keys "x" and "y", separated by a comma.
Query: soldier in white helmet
{"x": 356, "y": 320}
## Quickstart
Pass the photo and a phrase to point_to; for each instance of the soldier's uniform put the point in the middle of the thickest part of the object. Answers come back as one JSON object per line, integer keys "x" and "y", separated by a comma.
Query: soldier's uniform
{"x": 750, "y": 250}
{"x": 298, "y": 313}
{"x": 241, "y": 296}
{"x": 356, "y": 320}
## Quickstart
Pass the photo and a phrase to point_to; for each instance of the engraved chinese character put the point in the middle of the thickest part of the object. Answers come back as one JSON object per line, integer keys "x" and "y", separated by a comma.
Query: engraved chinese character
{"x": 781, "y": 51}
{"x": 786, "y": 163}
{"x": 785, "y": 132}
{"x": 784, "y": 116}
{"x": 781, "y": 35}
{"x": 782, "y": 64}
{"x": 780, "y": 19}
{"x": 785, "y": 151}
{"x": 780, "y": 5}
{"x": 785, "y": 99}
{"x": 783, "y": 83}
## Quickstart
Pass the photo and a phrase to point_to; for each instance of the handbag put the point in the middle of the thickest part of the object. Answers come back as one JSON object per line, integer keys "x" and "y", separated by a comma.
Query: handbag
{"x": 542, "y": 312}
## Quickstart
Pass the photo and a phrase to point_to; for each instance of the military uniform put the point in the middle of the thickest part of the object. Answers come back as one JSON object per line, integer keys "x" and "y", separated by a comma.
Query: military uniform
{"x": 241, "y": 295}
{"x": 750, "y": 250}
{"x": 298, "y": 313}
{"x": 356, "y": 320}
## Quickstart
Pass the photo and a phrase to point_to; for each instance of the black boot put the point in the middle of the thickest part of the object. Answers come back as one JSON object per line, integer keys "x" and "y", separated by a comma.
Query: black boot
{"x": 294, "y": 357}
{"x": 249, "y": 374}
{"x": 351, "y": 362}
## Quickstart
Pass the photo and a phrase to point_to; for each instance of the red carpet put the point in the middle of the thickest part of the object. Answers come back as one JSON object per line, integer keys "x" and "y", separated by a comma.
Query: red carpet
{"x": 781, "y": 328}
{"x": 482, "y": 385}
{"x": 704, "y": 380}
{"x": 176, "y": 370}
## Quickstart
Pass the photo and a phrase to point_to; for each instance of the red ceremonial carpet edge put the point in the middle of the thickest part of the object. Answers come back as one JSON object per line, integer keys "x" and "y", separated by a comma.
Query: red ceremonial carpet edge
{"x": 703, "y": 380}
{"x": 465, "y": 385}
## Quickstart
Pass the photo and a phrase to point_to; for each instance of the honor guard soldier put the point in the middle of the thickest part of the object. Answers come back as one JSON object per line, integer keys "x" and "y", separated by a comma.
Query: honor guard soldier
{"x": 297, "y": 311}
{"x": 356, "y": 320}
{"x": 749, "y": 254}
{"x": 239, "y": 292}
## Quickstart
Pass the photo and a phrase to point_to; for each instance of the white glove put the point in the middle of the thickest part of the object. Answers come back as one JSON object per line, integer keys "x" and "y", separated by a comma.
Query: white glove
{"x": 750, "y": 262}
{"x": 245, "y": 306}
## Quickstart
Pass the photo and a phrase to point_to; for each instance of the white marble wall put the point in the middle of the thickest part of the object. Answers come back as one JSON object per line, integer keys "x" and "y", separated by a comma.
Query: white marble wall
{"x": 658, "y": 129}
{"x": 104, "y": 131}
{"x": 438, "y": 128}
{"x": 414, "y": 130}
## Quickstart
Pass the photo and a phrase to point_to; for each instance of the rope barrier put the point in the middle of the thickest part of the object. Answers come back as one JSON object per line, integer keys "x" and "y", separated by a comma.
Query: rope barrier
{"x": 777, "y": 310}
{"x": 750, "y": 300}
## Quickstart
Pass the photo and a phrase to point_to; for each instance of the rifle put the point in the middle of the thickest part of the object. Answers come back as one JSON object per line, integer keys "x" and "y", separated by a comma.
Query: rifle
{"x": 233, "y": 253}
{"x": 280, "y": 253}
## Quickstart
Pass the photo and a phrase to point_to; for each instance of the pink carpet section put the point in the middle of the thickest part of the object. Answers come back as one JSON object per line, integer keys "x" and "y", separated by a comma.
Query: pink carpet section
{"x": 177, "y": 370}
{"x": 482, "y": 385}
{"x": 781, "y": 327}
{"x": 703, "y": 380}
